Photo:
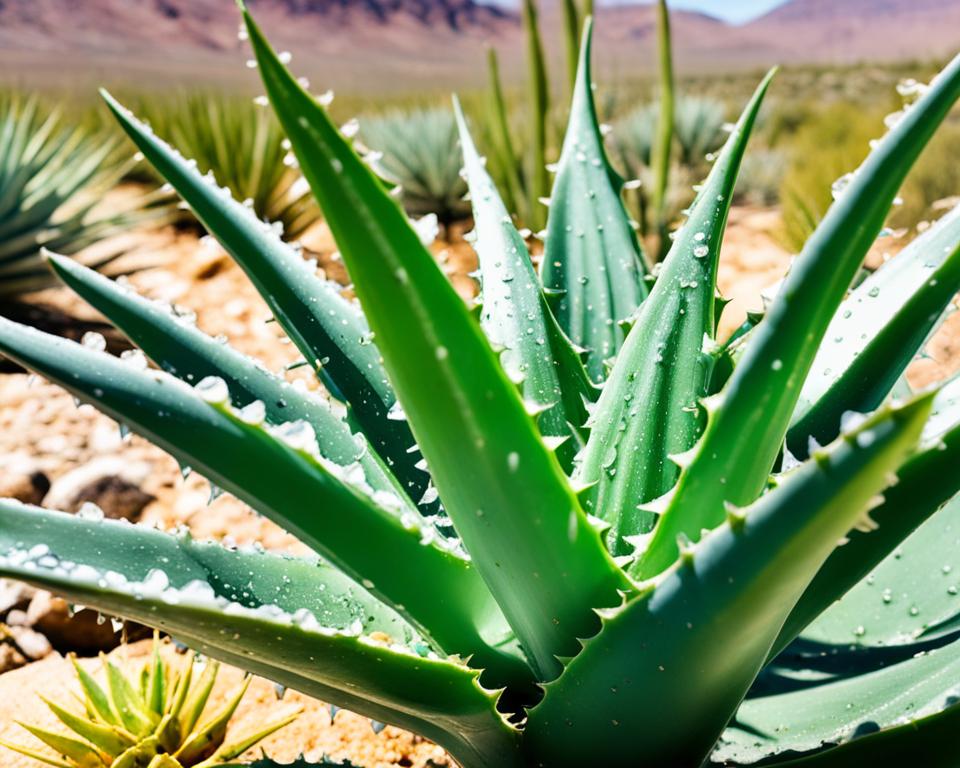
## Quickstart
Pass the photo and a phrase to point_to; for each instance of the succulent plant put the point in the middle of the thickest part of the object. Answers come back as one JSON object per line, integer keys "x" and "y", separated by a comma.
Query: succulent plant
{"x": 52, "y": 179}
{"x": 699, "y": 127}
{"x": 698, "y": 131}
{"x": 531, "y": 560}
{"x": 417, "y": 150}
{"x": 154, "y": 719}
{"x": 242, "y": 145}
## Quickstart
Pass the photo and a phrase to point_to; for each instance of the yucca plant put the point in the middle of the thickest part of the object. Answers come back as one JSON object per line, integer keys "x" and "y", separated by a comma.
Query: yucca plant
{"x": 242, "y": 146}
{"x": 155, "y": 719}
{"x": 417, "y": 150}
{"x": 52, "y": 180}
{"x": 645, "y": 572}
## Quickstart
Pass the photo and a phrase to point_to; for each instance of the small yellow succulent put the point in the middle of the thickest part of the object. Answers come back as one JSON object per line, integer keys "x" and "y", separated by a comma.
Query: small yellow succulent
{"x": 154, "y": 721}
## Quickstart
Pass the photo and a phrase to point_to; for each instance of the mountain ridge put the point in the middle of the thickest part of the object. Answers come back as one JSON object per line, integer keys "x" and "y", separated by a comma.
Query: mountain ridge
{"x": 403, "y": 43}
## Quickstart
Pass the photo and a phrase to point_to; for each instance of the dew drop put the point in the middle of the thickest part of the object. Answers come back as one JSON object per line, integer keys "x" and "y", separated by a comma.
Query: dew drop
{"x": 93, "y": 340}
{"x": 213, "y": 389}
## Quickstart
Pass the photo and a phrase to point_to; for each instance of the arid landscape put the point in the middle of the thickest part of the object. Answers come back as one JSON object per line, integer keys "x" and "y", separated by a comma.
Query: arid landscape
{"x": 854, "y": 76}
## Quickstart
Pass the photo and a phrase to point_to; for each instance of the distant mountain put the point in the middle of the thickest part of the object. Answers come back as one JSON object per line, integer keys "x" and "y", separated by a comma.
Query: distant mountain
{"x": 211, "y": 23}
{"x": 857, "y": 30}
{"x": 403, "y": 44}
{"x": 352, "y": 42}
{"x": 809, "y": 31}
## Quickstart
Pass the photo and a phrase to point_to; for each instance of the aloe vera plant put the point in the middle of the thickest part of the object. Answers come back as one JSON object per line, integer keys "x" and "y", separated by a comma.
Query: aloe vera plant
{"x": 640, "y": 572}
{"x": 156, "y": 719}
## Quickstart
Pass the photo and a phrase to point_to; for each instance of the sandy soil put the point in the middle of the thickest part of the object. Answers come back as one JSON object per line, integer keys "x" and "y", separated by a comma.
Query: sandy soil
{"x": 41, "y": 429}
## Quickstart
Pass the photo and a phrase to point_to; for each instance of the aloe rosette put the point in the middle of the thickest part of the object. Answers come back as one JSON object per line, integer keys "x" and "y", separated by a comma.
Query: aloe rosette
{"x": 647, "y": 564}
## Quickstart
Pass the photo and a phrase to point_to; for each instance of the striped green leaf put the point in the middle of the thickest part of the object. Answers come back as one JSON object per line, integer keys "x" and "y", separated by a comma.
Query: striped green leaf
{"x": 278, "y": 473}
{"x": 328, "y": 329}
{"x": 592, "y": 259}
{"x": 705, "y": 626}
{"x": 747, "y": 422}
{"x": 311, "y": 633}
{"x": 502, "y": 487}
{"x": 516, "y": 318}
{"x": 877, "y": 331}
{"x": 648, "y": 410}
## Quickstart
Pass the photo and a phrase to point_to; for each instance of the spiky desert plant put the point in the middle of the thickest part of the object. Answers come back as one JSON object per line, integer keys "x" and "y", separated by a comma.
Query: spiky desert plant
{"x": 241, "y": 144}
{"x": 698, "y": 127}
{"x": 154, "y": 719}
{"x": 417, "y": 150}
{"x": 633, "y": 136}
{"x": 665, "y": 595}
{"x": 698, "y": 132}
{"x": 52, "y": 181}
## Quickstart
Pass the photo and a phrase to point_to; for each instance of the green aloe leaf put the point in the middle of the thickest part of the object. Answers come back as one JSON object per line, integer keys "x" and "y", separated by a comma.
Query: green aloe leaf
{"x": 917, "y": 582}
{"x": 146, "y": 555}
{"x": 516, "y": 318}
{"x": 648, "y": 410}
{"x": 184, "y": 351}
{"x": 748, "y": 420}
{"x": 896, "y": 716}
{"x": 328, "y": 329}
{"x": 689, "y": 646}
{"x": 306, "y": 618}
{"x": 592, "y": 259}
{"x": 502, "y": 487}
{"x": 911, "y": 595}
{"x": 877, "y": 331}
{"x": 326, "y": 506}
